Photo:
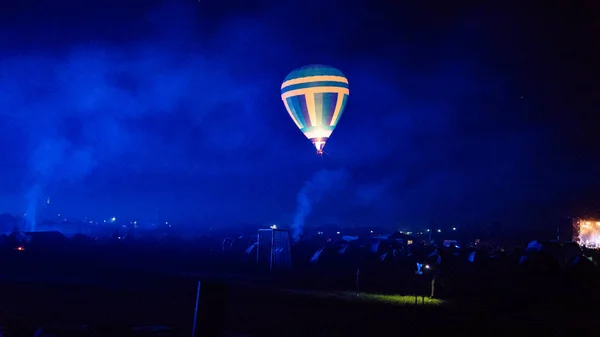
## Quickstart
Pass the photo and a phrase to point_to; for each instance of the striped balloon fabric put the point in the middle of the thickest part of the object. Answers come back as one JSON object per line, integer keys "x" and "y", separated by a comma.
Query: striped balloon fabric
{"x": 315, "y": 97}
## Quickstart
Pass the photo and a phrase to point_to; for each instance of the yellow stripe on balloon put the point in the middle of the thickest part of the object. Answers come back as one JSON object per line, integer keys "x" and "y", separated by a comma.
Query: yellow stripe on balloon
{"x": 315, "y": 90}
{"x": 287, "y": 107}
{"x": 319, "y": 108}
{"x": 338, "y": 109}
{"x": 310, "y": 106}
{"x": 314, "y": 79}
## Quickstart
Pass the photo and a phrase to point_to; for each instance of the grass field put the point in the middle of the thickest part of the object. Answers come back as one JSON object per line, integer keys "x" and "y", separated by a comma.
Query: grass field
{"x": 260, "y": 311}
{"x": 395, "y": 300}
{"x": 120, "y": 300}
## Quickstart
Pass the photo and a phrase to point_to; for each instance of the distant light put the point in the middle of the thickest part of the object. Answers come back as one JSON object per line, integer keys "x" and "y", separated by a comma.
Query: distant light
{"x": 338, "y": 233}
{"x": 409, "y": 233}
{"x": 166, "y": 223}
{"x": 439, "y": 230}
{"x": 135, "y": 222}
{"x": 453, "y": 228}
{"x": 371, "y": 231}
{"x": 320, "y": 233}
{"x": 58, "y": 214}
{"x": 428, "y": 230}
{"x": 20, "y": 248}
{"x": 273, "y": 227}
{"x": 113, "y": 219}
{"x": 426, "y": 266}
{"x": 104, "y": 220}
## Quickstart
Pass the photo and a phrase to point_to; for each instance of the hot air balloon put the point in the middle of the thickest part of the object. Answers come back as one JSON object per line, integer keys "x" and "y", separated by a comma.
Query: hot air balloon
{"x": 315, "y": 97}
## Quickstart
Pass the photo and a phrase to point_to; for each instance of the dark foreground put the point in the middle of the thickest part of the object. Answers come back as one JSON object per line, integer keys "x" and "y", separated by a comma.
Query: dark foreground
{"x": 112, "y": 308}
{"x": 110, "y": 296}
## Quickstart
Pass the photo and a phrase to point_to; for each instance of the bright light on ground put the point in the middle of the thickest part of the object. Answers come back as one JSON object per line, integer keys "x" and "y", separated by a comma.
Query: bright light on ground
{"x": 369, "y": 297}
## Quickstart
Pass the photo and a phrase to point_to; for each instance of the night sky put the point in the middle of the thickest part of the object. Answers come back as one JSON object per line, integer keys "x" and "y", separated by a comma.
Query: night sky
{"x": 457, "y": 114}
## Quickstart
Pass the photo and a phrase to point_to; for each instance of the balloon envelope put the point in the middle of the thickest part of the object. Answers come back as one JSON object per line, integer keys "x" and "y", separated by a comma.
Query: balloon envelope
{"x": 315, "y": 97}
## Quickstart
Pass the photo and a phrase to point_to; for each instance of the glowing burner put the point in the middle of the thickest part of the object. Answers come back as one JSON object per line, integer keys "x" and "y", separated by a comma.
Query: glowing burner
{"x": 587, "y": 232}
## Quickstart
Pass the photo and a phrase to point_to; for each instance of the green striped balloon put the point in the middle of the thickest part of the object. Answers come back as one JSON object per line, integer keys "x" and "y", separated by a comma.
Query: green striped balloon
{"x": 315, "y": 97}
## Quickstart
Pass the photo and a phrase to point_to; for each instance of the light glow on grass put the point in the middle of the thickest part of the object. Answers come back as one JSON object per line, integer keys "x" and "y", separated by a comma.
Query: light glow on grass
{"x": 367, "y": 297}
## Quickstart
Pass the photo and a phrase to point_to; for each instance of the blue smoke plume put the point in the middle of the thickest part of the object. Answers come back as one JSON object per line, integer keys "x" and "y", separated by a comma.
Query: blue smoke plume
{"x": 322, "y": 183}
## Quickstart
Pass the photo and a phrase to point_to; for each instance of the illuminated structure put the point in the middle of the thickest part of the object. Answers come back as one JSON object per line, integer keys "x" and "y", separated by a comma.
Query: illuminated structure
{"x": 586, "y": 232}
{"x": 315, "y": 97}
{"x": 273, "y": 250}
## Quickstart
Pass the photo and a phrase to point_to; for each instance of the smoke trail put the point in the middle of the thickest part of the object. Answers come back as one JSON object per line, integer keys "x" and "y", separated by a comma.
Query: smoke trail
{"x": 321, "y": 183}
{"x": 87, "y": 105}
{"x": 32, "y": 198}
{"x": 54, "y": 160}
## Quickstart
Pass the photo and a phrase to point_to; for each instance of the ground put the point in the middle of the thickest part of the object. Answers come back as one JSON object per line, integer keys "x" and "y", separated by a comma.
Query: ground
{"x": 391, "y": 299}
{"x": 255, "y": 310}
{"x": 117, "y": 300}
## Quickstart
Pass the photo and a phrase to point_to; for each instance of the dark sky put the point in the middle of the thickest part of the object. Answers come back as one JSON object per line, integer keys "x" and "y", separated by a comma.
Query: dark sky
{"x": 470, "y": 113}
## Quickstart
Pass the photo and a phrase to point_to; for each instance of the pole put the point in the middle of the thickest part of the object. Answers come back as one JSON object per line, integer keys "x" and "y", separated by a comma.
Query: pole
{"x": 196, "y": 310}
{"x": 357, "y": 274}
